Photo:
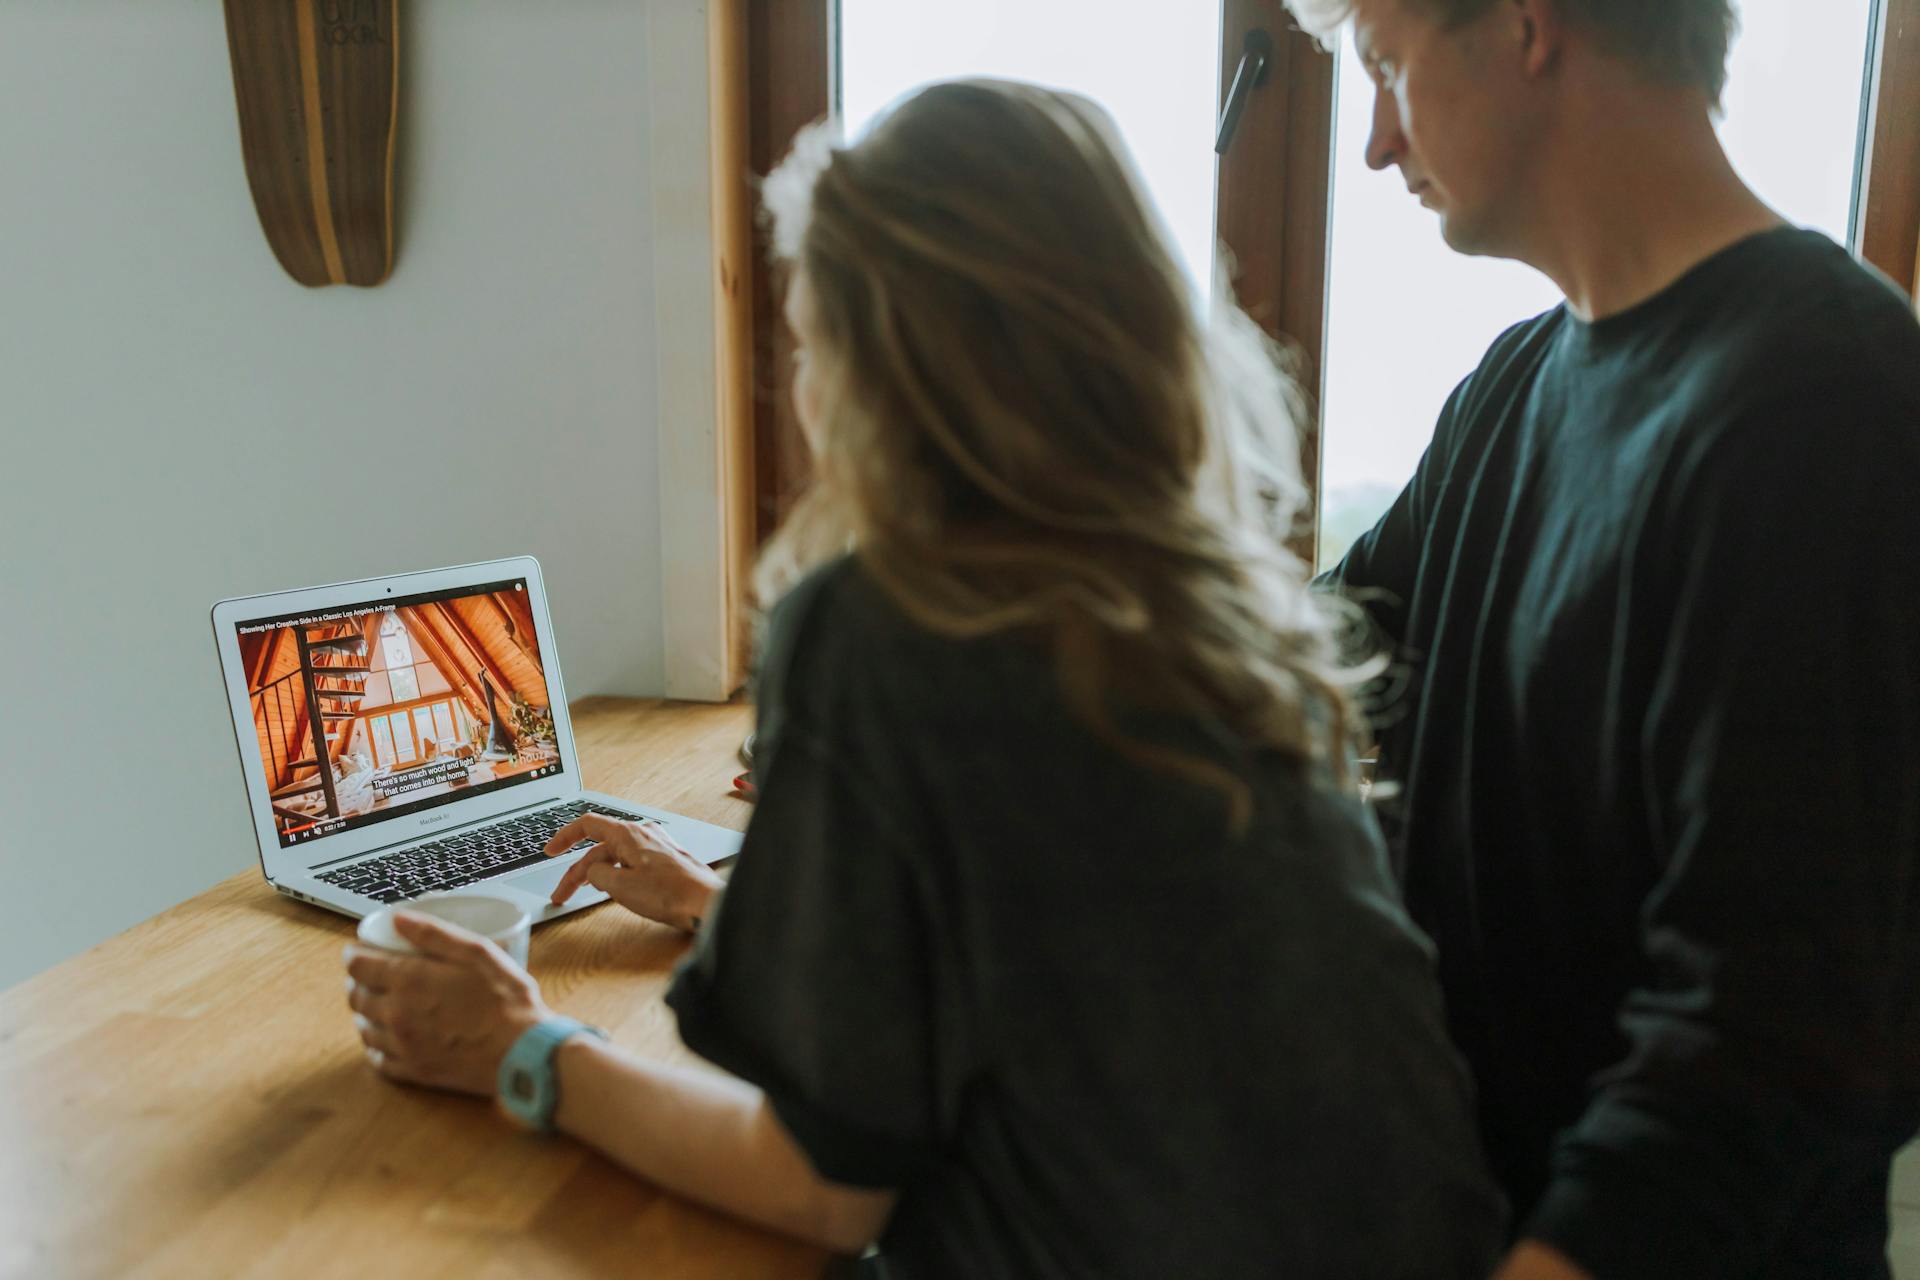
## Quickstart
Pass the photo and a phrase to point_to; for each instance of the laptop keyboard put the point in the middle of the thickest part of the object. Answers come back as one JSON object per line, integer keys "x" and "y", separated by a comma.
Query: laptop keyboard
{"x": 466, "y": 857}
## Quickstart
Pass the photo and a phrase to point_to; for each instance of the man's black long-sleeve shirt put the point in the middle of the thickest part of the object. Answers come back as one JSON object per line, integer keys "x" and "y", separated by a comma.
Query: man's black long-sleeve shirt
{"x": 1655, "y": 591}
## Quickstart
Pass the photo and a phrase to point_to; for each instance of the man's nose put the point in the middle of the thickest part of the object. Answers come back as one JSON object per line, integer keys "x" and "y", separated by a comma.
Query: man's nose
{"x": 1386, "y": 144}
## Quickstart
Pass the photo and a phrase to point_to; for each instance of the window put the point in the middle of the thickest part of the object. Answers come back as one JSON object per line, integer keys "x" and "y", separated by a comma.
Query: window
{"x": 402, "y": 732}
{"x": 403, "y": 684}
{"x": 1799, "y": 149}
{"x": 1155, "y": 72}
{"x": 395, "y": 644}
{"x": 401, "y": 672}
{"x": 1794, "y": 126}
{"x": 1158, "y": 71}
{"x": 402, "y": 736}
{"x": 1408, "y": 318}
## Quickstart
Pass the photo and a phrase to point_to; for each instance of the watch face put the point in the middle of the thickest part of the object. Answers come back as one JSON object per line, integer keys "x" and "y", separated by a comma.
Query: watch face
{"x": 521, "y": 1083}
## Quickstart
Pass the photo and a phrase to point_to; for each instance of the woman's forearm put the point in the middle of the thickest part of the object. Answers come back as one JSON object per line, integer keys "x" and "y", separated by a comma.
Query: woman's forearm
{"x": 710, "y": 1138}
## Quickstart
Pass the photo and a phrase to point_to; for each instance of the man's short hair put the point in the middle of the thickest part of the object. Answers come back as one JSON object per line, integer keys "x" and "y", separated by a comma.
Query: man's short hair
{"x": 1677, "y": 42}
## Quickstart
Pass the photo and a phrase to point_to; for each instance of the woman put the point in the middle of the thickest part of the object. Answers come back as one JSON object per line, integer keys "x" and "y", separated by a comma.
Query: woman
{"x": 1059, "y": 944}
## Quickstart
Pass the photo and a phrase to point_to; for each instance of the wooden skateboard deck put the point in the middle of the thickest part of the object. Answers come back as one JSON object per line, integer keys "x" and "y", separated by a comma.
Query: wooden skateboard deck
{"x": 318, "y": 88}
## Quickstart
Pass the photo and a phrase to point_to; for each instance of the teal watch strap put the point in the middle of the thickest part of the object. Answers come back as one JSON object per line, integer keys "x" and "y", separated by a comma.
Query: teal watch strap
{"x": 525, "y": 1084}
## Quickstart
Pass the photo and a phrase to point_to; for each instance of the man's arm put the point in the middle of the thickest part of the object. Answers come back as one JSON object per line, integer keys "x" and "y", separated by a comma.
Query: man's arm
{"x": 1377, "y": 572}
{"x": 710, "y": 1138}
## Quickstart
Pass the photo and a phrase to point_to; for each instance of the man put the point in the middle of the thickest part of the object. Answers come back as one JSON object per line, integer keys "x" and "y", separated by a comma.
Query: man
{"x": 1657, "y": 588}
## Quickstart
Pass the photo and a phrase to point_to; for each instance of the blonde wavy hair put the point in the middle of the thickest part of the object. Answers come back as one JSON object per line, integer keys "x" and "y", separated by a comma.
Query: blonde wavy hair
{"x": 1028, "y": 423}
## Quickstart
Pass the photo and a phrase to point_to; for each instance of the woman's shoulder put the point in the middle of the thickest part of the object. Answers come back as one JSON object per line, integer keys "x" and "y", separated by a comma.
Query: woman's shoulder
{"x": 838, "y": 646}
{"x": 833, "y": 603}
{"x": 834, "y": 613}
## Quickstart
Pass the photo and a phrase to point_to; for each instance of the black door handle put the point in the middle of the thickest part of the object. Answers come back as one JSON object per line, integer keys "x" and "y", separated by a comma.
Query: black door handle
{"x": 1255, "y": 57}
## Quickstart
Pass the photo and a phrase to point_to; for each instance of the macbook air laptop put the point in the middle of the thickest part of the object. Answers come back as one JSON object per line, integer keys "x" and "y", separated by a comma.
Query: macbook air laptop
{"x": 409, "y": 735}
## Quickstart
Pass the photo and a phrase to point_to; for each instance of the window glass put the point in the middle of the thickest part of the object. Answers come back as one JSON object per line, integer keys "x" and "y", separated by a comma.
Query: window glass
{"x": 398, "y": 652}
{"x": 1153, "y": 64}
{"x": 406, "y": 686}
{"x": 382, "y": 741}
{"x": 395, "y": 644}
{"x": 1794, "y": 89}
{"x": 443, "y": 722}
{"x": 402, "y": 736}
{"x": 1407, "y": 318}
{"x": 423, "y": 724}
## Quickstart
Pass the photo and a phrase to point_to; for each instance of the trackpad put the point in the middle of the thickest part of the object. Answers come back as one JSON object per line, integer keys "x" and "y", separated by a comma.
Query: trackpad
{"x": 539, "y": 882}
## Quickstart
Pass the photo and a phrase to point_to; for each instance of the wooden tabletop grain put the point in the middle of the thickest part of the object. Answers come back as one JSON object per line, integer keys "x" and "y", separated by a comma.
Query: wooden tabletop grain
{"x": 189, "y": 1098}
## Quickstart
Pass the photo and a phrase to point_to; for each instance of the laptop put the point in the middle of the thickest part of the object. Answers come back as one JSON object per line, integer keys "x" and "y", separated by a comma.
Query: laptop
{"x": 409, "y": 735}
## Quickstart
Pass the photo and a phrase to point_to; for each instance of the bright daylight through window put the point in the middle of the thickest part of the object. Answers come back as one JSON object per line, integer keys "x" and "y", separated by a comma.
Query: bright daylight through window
{"x": 1154, "y": 64}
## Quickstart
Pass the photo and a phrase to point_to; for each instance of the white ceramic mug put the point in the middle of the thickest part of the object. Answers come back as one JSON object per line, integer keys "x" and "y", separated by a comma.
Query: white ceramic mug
{"x": 497, "y": 919}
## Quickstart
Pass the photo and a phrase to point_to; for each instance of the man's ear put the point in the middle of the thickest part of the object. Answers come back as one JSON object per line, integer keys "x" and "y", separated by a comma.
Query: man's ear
{"x": 1540, "y": 27}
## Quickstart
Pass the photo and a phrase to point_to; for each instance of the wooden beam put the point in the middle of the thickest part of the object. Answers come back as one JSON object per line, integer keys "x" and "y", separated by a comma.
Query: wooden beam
{"x": 269, "y": 650}
{"x": 479, "y": 651}
{"x": 276, "y": 770}
{"x": 298, "y": 736}
{"x": 521, "y": 607}
{"x": 518, "y": 630}
{"x": 256, "y": 678}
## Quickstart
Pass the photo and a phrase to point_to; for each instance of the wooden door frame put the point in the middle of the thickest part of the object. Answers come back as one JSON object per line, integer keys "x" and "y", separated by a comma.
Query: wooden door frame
{"x": 702, "y": 216}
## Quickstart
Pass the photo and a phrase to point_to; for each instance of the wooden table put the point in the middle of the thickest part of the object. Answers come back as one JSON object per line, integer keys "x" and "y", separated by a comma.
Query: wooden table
{"x": 189, "y": 1098}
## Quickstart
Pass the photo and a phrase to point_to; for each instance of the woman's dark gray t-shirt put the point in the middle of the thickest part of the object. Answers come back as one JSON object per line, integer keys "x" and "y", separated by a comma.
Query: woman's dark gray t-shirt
{"x": 972, "y": 953}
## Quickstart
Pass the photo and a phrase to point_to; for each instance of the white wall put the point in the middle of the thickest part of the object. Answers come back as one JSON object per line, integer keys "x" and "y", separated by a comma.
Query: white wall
{"x": 163, "y": 383}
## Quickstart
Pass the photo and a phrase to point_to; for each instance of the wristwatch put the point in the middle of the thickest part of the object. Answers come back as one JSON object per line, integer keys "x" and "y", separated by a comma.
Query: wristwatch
{"x": 528, "y": 1092}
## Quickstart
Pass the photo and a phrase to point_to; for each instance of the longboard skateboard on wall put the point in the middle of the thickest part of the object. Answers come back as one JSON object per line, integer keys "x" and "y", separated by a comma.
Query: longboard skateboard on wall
{"x": 318, "y": 87}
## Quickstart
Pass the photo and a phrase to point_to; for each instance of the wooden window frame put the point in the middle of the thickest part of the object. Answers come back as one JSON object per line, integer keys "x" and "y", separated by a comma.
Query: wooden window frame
{"x": 392, "y": 709}
{"x": 793, "y": 80}
{"x": 1887, "y": 221}
{"x": 361, "y": 722}
{"x": 1274, "y": 208}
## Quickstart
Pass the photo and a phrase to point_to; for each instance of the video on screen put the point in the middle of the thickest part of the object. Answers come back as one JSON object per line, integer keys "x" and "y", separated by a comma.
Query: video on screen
{"x": 366, "y": 712}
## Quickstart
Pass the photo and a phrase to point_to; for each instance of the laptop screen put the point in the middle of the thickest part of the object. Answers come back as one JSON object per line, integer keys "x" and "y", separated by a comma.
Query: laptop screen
{"x": 366, "y": 712}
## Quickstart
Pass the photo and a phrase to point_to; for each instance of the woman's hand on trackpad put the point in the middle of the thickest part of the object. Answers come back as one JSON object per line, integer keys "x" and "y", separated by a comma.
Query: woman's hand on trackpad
{"x": 637, "y": 866}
